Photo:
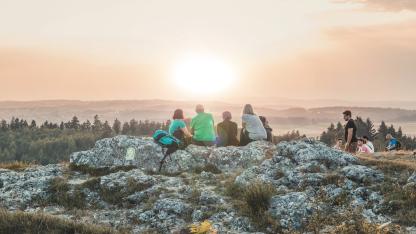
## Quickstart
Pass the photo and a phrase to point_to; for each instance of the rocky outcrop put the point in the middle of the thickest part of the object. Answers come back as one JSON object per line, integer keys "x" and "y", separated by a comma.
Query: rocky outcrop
{"x": 19, "y": 189}
{"x": 307, "y": 176}
{"x": 143, "y": 153}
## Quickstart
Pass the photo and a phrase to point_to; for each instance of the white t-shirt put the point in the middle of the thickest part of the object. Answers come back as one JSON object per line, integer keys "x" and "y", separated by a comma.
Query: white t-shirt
{"x": 370, "y": 146}
{"x": 254, "y": 127}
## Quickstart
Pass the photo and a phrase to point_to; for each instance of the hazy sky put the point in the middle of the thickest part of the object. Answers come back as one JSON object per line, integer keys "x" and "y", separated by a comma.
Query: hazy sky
{"x": 106, "y": 49}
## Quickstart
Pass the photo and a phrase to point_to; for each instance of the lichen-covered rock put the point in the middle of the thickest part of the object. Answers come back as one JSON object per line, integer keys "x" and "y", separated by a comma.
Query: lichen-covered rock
{"x": 143, "y": 153}
{"x": 361, "y": 173}
{"x": 19, "y": 189}
{"x": 291, "y": 209}
{"x": 308, "y": 150}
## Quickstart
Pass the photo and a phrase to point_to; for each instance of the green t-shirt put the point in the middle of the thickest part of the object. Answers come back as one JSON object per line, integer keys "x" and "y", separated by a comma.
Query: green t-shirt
{"x": 203, "y": 126}
{"x": 175, "y": 125}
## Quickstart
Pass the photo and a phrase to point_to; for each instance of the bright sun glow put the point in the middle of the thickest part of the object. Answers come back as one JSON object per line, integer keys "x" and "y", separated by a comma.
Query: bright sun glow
{"x": 203, "y": 74}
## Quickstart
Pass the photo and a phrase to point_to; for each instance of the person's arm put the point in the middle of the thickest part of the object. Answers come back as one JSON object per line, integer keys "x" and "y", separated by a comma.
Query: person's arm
{"x": 186, "y": 132}
{"x": 349, "y": 138}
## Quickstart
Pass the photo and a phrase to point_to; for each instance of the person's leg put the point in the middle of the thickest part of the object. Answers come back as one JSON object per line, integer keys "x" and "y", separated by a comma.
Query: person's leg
{"x": 198, "y": 143}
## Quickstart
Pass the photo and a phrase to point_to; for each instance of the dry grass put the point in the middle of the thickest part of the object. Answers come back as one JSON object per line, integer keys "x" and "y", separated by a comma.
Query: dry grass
{"x": 400, "y": 201}
{"x": 116, "y": 195}
{"x": 27, "y": 223}
{"x": 99, "y": 171}
{"x": 208, "y": 168}
{"x": 16, "y": 165}
{"x": 61, "y": 194}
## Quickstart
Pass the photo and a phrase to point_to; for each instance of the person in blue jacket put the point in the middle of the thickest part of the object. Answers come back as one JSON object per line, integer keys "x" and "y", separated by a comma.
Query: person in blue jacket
{"x": 394, "y": 144}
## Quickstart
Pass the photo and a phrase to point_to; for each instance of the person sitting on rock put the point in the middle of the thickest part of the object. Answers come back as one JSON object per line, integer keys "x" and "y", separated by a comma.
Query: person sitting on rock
{"x": 203, "y": 128}
{"x": 267, "y": 128}
{"x": 394, "y": 144}
{"x": 369, "y": 144}
{"x": 227, "y": 131}
{"x": 253, "y": 129}
{"x": 338, "y": 145}
{"x": 178, "y": 127}
{"x": 362, "y": 147}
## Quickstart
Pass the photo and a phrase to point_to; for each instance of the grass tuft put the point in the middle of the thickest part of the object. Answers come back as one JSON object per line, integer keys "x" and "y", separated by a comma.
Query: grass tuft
{"x": 16, "y": 165}
{"x": 26, "y": 223}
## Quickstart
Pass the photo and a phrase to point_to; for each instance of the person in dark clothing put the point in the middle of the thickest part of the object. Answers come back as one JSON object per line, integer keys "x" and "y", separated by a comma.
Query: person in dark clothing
{"x": 227, "y": 131}
{"x": 350, "y": 133}
{"x": 267, "y": 127}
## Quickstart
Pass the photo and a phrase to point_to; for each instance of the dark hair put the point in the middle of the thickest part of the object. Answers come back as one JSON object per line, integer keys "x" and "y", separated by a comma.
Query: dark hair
{"x": 365, "y": 137}
{"x": 263, "y": 119}
{"x": 347, "y": 112}
{"x": 178, "y": 114}
{"x": 340, "y": 139}
{"x": 360, "y": 139}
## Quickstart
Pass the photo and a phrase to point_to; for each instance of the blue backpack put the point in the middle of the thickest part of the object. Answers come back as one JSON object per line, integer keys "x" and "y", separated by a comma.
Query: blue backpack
{"x": 166, "y": 141}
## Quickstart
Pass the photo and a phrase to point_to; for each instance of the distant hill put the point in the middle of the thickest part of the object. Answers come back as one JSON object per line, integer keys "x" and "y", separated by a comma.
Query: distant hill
{"x": 310, "y": 120}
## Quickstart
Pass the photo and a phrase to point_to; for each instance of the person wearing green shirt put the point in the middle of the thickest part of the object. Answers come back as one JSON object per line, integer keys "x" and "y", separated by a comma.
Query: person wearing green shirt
{"x": 202, "y": 128}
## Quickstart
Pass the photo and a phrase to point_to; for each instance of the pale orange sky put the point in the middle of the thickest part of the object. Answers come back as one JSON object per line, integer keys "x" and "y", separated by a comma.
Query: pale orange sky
{"x": 105, "y": 49}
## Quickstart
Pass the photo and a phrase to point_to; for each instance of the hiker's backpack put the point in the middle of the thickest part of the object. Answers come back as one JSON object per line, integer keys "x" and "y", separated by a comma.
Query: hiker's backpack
{"x": 166, "y": 141}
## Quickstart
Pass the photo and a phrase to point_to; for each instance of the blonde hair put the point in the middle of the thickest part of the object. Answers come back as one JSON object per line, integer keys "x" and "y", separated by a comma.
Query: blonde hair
{"x": 248, "y": 109}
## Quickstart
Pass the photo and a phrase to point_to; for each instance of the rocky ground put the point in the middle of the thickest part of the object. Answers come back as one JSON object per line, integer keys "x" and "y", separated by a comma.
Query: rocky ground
{"x": 291, "y": 187}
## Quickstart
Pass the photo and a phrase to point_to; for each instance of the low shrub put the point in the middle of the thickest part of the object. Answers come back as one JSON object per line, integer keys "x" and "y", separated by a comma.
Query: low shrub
{"x": 257, "y": 197}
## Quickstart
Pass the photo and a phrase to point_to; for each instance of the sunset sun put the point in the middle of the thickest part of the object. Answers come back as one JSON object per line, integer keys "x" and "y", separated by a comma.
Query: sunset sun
{"x": 202, "y": 74}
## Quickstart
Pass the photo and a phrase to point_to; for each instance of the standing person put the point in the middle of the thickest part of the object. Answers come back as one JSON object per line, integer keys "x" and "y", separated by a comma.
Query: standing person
{"x": 267, "y": 127}
{"x": 362, "y": 147}
{"x": 338, "y": 144}
{"x": 202, "y": 128}
{"x": 227, "y": 131}
{"x": 253, "y": 129}
{"x": 350, "y": 133}
{"x": 177, "y": 127}
{"x": 369, "y": 144}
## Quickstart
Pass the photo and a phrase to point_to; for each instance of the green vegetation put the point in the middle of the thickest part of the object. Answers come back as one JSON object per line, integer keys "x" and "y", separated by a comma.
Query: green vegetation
{"x": 366, "y": 128}
{"x": 25, "y": 223}
{"x": 52, "y": 142}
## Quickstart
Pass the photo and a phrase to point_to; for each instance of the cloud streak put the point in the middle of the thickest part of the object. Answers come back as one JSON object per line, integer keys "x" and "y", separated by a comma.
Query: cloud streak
{"x": 388, "y": 5}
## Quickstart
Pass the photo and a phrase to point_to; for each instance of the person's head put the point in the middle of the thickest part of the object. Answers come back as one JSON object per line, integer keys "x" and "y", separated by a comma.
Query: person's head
{"x": 360, "y": 141}
{"x": 226, "y": 116}
{"x": 339, "y": 141}
{"x": 199, "y": 108}
{"x": 263, "y": 120}
{"x": 178, "y": 114}
{"x": 248, "y": 109}
{"x": 347, "y": 115}
{"x": 389, "y": 137}
{"x": 365, "y": 138}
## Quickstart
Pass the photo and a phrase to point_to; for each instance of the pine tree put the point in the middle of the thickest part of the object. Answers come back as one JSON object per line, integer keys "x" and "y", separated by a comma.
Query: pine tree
{"x": 74, "y": 124}
{"x": 117, "y": 126}
{"x": 126, "y": 128}
{"x": 32, "y": 124}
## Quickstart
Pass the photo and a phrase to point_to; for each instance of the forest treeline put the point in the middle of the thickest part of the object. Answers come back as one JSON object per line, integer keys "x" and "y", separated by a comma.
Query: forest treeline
{"x": 367, "y": 128}
{"x": 49, "y": 142}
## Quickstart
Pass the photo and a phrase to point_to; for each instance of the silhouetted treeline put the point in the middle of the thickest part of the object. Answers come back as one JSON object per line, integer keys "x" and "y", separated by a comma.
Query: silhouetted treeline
{"x": 367, "y": 128}
{"x": 49, "y": 142}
